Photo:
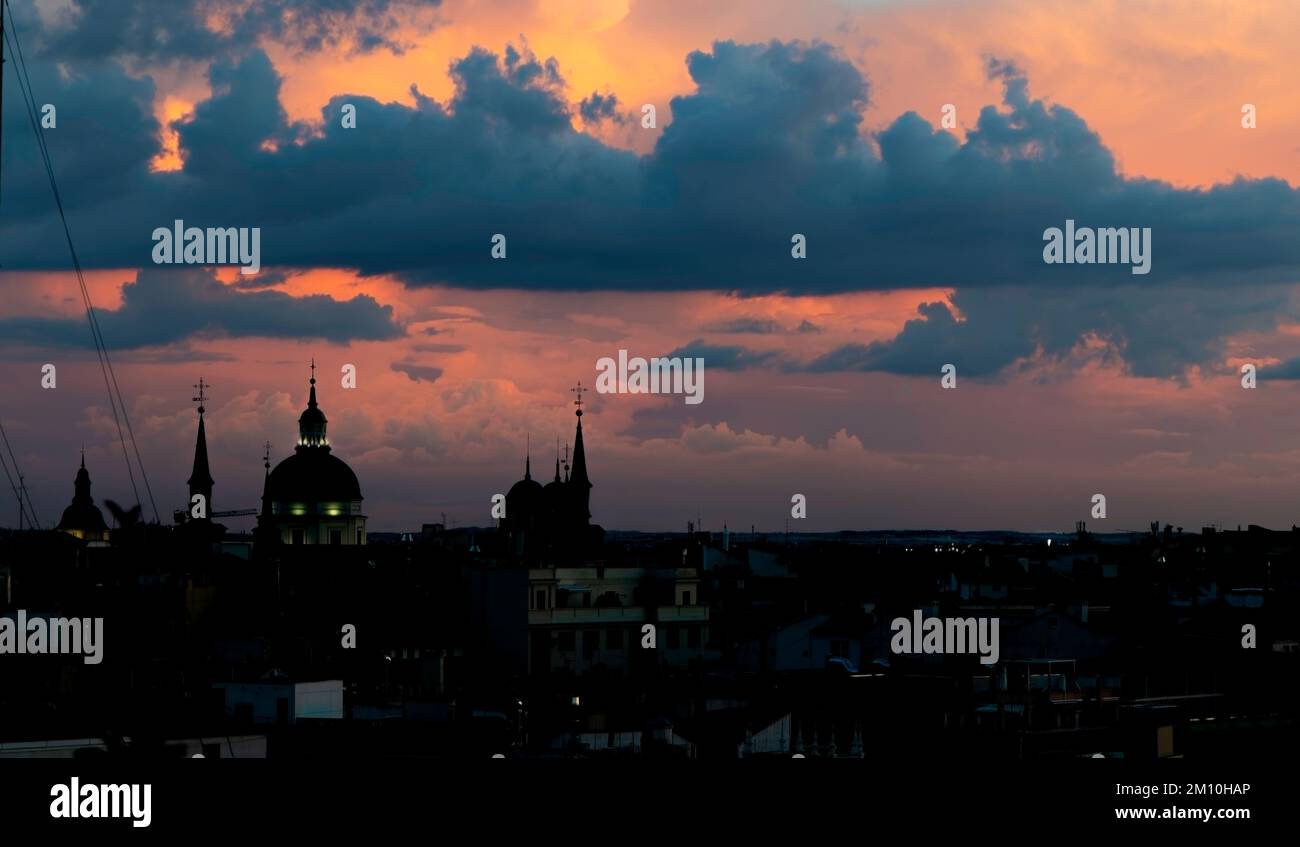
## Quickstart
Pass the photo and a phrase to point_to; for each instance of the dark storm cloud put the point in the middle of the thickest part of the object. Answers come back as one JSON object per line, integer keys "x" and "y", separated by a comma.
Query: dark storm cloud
{"x": 417, "y": 373}
{"x": 1158, "y": 331}
{"x": 724, "y": 357}
{"x": 1286, "y": 370}
{"x": 167, "y": 306}
{"x": 163, "y": 30}
{"x": 769, "y": 144}
{"x": 746, "y": 326}
{"x": 599, "y": 107}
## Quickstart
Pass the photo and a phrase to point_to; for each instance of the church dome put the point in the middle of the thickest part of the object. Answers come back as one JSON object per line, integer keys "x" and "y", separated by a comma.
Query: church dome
{"x": 525, "y": 491}
{"x": 313, "y": 475}
{"x": 524, "y": 501}
{"x": 82, "y": 514}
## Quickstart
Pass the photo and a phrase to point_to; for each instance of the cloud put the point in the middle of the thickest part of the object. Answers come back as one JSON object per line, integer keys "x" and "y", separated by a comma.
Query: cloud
{"x": 600, "y": 107}
{"x": 167, "y": 306}
{"x": 1157, "y": 331}
{"x": 417, "y": 373}
{"x": 739, "y": 326}
{"x": 724, "y": 357}
{"x": 165, "y": 30}
{"x": 768, "y": 143}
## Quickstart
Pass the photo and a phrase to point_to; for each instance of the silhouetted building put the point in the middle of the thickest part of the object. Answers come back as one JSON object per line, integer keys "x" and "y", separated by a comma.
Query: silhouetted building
{"x": 200, "y": 481}
{"x": 313, "y": 497}
{"x": 554, "y": 520}
{"x": 82, "y": 518}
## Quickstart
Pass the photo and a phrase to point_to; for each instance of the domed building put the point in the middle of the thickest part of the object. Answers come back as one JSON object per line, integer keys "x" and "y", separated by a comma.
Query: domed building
{"x": 312, "y": 497}
{"x": 555, "y": 519}
{"x": 525, "y": 513}
{"x": 82, "y": 518}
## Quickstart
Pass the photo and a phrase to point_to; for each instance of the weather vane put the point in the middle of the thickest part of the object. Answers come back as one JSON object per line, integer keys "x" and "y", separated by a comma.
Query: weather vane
{"x": 202, "y": 387}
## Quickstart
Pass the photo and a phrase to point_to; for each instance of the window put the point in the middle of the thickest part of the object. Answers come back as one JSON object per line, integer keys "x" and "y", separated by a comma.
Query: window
{"x": 613, "y": 639}
{"x": 692, "y": 636}
{"x": 540, "y": 600}
{"x": 567, "y": 640}
{"x": 840, "y": 647}
{"x": 361, "y": 537}
{"x": 686, "y": 598}
{"x": 336, "y": 536}
{"x": 672, "y": 638}
{"x": 298, "y": 537}
{"x": 590, "y": 642}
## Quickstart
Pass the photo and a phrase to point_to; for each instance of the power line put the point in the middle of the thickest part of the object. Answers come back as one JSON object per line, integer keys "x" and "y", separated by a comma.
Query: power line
{"x": 101, "y": 348}
{"x": 20, "y": 490}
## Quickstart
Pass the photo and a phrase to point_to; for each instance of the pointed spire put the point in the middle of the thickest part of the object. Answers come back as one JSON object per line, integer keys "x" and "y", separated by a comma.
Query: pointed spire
{"x": 200, "y": 481}
{"x": 83, "y": 457}
{"x": 579, "y": 474}
{"x": 528, "y": 458}
{"x": 578, "y": 477}
{"x": 266, "y": 480}
{"x": 311, "y": 400}
{"x": 557, "y": 459}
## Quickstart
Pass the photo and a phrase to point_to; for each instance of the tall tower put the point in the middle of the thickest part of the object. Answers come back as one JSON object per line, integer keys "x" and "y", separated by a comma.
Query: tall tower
{"x": 200, "y": 481}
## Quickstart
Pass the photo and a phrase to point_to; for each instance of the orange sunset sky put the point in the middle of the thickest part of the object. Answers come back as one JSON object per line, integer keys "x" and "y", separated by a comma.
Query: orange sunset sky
{"x": 1129, "y": 386}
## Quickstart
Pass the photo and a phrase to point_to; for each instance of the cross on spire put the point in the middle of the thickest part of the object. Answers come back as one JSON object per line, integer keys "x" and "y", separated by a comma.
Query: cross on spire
{"x": 266, "y": 456}
{"x": 202, "y": 387}
{"x": 579, "y": 391}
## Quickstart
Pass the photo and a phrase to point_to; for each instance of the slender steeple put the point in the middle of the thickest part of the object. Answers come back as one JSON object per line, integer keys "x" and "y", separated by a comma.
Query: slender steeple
{"x": 266, "y": 478}
{"x": 578, "y": 476}
{"x": 557, "y": 460}
{"x": 528, "y": 456}
{"x": 200, "y": 481}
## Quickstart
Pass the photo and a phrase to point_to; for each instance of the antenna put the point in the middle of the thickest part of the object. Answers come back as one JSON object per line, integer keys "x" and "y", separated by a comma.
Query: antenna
{"x": 2, "y": 78}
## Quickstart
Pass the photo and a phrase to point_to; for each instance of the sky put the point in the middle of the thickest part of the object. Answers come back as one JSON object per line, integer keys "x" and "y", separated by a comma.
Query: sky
{"x": 822, "y": 375}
